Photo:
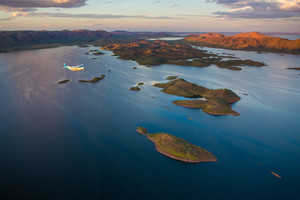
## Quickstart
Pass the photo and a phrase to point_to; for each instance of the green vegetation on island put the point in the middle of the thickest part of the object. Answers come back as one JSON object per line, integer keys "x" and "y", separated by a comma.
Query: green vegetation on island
{"x": 63, "y": 81}
{"x": 94, "y": 80}
{"x": 171, "y": 78}
{"x": 137, "y": 88}
{"x": 177, "y": 148}
{"x": 160, "y": 52}
{"x": 215, "y": 102}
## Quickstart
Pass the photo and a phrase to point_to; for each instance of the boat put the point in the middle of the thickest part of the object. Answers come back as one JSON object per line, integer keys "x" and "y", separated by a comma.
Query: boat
{"x": 75, "y": 68}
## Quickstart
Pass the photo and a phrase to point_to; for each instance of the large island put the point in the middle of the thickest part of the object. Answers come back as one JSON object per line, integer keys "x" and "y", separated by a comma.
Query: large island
{"x": 160, "y": 52}
{"x": 177, "y": 148}
{"x": 214, "y": 102}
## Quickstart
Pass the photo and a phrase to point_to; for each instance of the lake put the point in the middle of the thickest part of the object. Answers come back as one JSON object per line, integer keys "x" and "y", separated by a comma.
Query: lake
{"x": 79, "y": 140}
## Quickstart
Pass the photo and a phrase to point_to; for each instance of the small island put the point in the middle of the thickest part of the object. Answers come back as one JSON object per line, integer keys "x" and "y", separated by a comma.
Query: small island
{"x": 94, "y": 80}
{"x": 177, "y": 148}
{"x": 293, "y": 68}
{"x": 214, "y": 102}
{"x": 137, "y": 87}
{"x": 160, "y": 52}
{"x": 98, "y": 53}
{"x": 63, "y": 81}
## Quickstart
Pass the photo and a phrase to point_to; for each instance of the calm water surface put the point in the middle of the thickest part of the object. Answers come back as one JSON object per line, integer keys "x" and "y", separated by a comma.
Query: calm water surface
{"x": 78, "y": 140}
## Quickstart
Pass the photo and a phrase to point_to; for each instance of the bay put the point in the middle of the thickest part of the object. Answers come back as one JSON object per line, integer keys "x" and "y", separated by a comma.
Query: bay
{"x": 79, "y": 140}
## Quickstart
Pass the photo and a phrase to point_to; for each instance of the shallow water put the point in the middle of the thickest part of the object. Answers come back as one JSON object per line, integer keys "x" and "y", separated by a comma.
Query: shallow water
{"x": 78, "y": 140}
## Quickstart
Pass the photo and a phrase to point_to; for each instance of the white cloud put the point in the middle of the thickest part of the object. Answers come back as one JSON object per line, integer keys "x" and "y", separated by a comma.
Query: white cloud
{"x": 255, "y": 9}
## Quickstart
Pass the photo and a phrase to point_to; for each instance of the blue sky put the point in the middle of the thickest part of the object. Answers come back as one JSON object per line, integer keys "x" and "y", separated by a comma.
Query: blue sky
{"x": 151, "y": 15}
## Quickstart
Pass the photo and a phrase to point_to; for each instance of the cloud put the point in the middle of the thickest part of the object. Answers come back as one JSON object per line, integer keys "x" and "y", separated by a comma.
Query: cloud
{"x": 92, "y": 16}
{"x": 258, "y": 9}
{"x": 173, "y": 5}
{"x": 29, "y": 8}
{"x": 3, "y": 19}
{"x": 10, "y": 9}
{"x": 43, "y": 3}
{"x": 4, "y": 27}
{"x": 255, "y": 15}
{"x": 93, "y": 24}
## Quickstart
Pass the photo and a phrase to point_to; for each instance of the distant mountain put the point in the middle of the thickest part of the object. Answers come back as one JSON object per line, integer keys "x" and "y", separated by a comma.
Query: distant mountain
{"x": 139, "y": 34}
{"x": 246, "y": 41}
{"x": 16, "y": 39}
{"x": 253, "y": 35}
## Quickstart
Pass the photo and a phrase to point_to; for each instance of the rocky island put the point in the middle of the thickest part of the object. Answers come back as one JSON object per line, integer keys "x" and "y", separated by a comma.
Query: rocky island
{"x": 63, "y": 81}
{"x": 177, "y": 148}
{"x": 137, "y": 87}
{"x": 294, "y": 68}
{"x": 214, "y": 102}
{"x": 160, "y": 52}
{"x": 94, "y": 80}
{"x": 246, "y": 41}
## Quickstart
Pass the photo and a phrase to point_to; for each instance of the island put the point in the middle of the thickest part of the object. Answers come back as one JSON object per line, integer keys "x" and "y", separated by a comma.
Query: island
{"x": 137, "y": 87}
{"x": 63, "y": 81}
{"x": 177, "y": 148}
{"x": 94, "y": 80}
{"x": 276, "y": 175}
{"x": 96, "y": 52}
{"x": 252, "y": 41}
{"x": 293, "y": 68}
{"x": 214, "y": 102}
{"x": 161, "y": 52}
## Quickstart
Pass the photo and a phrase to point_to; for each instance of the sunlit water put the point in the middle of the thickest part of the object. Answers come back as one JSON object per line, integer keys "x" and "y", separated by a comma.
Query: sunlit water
{"x": 79, "y": 140}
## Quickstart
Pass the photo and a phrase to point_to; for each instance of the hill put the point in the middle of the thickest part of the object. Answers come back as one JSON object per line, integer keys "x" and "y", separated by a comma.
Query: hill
{"x": 20, "y": 40}
{"x": 17, "y": 40}
{"x": 246, "y": 41}
{"x": 121, "y": 33}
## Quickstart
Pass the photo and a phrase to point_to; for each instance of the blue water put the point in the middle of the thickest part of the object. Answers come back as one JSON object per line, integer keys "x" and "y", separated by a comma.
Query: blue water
{"x": 78, "y": 140}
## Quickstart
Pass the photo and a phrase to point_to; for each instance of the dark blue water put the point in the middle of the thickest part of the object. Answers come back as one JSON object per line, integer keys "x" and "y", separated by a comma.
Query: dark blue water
{"x": 78, "y": 140}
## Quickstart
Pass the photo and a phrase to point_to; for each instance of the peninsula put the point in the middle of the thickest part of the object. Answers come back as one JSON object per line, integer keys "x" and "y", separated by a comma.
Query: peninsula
{"x": 253, "y": 41}
{"x": 177, "y": 148}
{"x": 161, "y": 52}
{"x": 214, "y": 102}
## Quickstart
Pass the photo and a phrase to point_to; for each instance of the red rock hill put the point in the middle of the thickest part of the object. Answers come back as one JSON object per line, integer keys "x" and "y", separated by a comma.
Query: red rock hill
{"x": 249, "y": 41}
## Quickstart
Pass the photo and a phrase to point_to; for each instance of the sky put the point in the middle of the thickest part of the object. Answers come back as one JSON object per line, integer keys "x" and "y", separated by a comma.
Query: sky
{"x": 152, "y": 15}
